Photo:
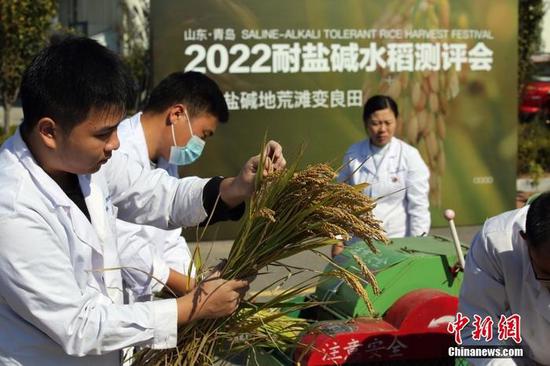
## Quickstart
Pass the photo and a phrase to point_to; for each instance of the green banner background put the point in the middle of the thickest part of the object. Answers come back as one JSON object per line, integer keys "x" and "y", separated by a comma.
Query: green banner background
{"x": 465, "y": 122}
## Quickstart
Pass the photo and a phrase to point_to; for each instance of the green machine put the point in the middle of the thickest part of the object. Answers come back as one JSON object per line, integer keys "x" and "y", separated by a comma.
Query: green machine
{"x": 419, "y": 278}
{"x": 404, "y": 265}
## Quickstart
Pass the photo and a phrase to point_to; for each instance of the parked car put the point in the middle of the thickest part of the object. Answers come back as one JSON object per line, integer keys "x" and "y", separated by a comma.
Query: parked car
{"x": 535, "y": 96}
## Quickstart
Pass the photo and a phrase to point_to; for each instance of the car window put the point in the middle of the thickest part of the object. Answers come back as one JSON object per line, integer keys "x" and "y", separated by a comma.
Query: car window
{"x": 541, "y": 71}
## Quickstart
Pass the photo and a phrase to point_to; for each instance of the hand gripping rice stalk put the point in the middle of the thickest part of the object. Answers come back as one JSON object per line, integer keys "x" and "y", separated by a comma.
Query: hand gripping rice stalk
{"x": 292, "y": 211}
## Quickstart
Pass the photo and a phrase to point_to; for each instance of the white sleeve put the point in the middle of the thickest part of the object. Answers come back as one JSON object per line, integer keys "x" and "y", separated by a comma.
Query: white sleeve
{"x": 177, "y": 254}
{"x": 38, "y": 283}
{"x": 152, "y": 197}
{"x": 145, "y": 270}
{"x": 418, "y": 188}
{"x": 483, "y": 294}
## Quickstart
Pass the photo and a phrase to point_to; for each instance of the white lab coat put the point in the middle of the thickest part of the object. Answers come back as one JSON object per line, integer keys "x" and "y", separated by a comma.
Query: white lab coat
{"x": 401, "y": 184}
{"x": 499, "y": 279}
{"x": 55, "y": 304}
{"x": 167, "y": 248}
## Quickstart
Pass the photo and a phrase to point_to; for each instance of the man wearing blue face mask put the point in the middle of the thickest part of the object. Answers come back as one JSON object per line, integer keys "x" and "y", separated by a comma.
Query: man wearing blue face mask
{"x": 64, "y": 184}
{"x": 182, "y": 112}
{"x": 185, "y": 155}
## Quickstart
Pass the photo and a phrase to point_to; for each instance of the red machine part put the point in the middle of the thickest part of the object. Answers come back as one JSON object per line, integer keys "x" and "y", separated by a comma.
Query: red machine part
{"x": 534, "y": 97}
{"x": 414, "y": 328}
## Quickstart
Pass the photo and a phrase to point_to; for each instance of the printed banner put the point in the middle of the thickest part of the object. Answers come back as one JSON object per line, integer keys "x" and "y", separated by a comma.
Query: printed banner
{"x": 301, "y": 70}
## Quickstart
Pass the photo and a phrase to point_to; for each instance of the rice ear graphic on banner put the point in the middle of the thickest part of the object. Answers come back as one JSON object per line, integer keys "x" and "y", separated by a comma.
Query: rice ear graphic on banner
{"x": 305, "y": 77}
{"x": 423, "y": 96}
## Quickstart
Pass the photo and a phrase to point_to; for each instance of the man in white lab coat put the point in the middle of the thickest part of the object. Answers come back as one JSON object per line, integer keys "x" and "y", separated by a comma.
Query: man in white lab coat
{"x": 62, "y": 186}
{"x": 184, "y": 109}
{"x": 508, "y": 273}
{"x": 397, "y": 176}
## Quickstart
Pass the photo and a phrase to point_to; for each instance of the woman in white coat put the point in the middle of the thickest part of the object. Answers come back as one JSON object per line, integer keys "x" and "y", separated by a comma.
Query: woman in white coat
{"x": 398, "y": 177}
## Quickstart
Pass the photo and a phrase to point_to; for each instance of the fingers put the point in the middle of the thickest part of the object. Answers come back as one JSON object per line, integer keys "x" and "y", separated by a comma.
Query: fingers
{"x": 254, "y": 162}
{"x": 274, "y": 151}
{"x": 241, "y": 288}
{"x": 274, "y": 159}
{"x": 214, "y": 274}
{"x": 221, "y": 297}
{"x": 251, "y": 278}
{"x": 279, "y": 163}
{"x": 268, "y": 166}
{"x": 237, "y": 284}
{"x": 242, "y": 292}
{"x": 234, "y": 293}
{"x": 214, "y": 282}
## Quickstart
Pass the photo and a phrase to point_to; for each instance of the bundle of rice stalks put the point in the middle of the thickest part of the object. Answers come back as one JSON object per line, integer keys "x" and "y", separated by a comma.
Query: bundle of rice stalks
{"x": 292, "y": 211}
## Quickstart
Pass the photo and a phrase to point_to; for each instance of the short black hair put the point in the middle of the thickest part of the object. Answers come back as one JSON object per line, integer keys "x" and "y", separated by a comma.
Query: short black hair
{"x": 379, "y": 102}
{"x": 537, "y": 225}
{"x": 69, "y": 78}
{"x": 197, "y": 91}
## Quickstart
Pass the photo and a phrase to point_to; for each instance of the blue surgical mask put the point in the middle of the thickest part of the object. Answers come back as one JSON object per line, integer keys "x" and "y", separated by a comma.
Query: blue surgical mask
{"x": 185, "y": 155}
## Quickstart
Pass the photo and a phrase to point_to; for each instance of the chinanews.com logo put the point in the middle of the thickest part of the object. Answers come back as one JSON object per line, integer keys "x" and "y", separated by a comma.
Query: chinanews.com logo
{"x": 508, "y": 328}
{"x": 486, "y": 352}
